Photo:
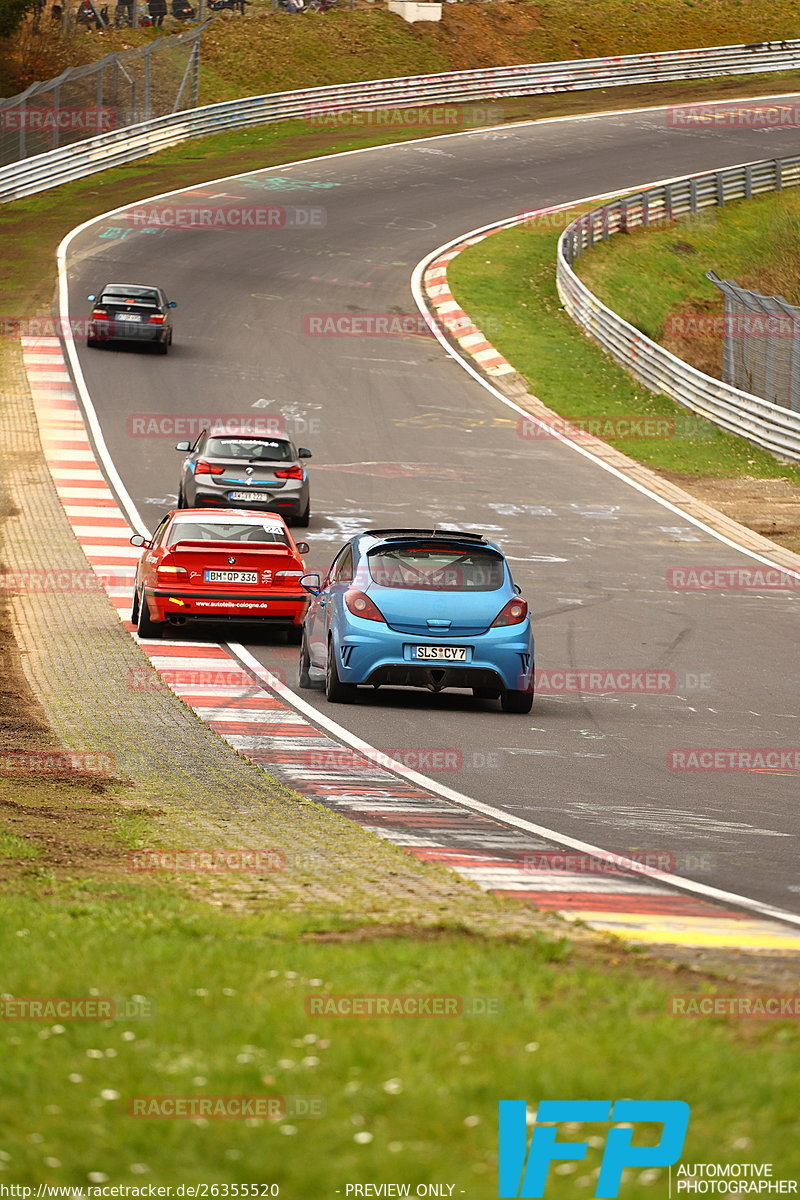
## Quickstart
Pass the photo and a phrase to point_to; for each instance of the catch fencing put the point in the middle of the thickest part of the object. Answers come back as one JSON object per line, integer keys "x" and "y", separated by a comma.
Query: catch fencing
{"x": 761, "y": 344}
{"x": 117, "y": 91}
{"x": 46, "y": 170}
{"x": 761, "y": 421}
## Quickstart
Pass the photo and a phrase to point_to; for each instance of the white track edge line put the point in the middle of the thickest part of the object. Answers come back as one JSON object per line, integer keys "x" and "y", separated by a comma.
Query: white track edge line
{"x": 430, "y": 785}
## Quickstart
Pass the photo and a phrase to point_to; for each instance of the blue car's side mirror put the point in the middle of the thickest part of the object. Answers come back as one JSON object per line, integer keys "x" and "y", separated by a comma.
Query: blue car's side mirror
{"x": 311, "y": 584}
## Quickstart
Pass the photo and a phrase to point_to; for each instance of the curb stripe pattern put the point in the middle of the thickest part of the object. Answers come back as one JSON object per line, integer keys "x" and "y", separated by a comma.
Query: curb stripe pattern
{"x": 272, "y": 735}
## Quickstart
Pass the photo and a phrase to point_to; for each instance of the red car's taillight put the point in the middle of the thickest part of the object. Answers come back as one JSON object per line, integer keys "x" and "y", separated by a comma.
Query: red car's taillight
{"x": 173, "y": 572}
{"x": 201, "y": 467}
{"x": 99, "y": 314}
{"x": 512, "y": 613}
{"x": 156, "y": 319}
{"x": 360, "y": 605}
{"x": 289, "y": 472}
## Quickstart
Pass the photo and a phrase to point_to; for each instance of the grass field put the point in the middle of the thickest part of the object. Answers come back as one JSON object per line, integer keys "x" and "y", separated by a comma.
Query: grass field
{"x": 649, "y": 277}
{"x": 507, "y": 285}
{"x": 221, "y": 1008}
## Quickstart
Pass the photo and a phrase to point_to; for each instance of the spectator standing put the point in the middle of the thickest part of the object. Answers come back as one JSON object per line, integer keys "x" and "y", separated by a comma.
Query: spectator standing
{"x": 157, "y": 10}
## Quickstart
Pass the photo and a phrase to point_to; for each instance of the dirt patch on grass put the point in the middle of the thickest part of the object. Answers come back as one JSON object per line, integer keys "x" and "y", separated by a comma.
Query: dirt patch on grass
{"x": 770, "y": 507}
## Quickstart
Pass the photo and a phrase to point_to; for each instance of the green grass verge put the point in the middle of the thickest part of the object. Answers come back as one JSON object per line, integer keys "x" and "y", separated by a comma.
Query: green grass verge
{"x": 405, "y": 1099}
{"x": 648, "y": 274}
{"x": 507, "y": 285}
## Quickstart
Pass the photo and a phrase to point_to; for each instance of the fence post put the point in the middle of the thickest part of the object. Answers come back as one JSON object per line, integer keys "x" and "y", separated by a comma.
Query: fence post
{"x": 195, "y": 60}
{"x": 23, "y": 116}
{"x": 720, "y": 189}
{"x": 56, "y": 110}
{"x": 148, "y": 52}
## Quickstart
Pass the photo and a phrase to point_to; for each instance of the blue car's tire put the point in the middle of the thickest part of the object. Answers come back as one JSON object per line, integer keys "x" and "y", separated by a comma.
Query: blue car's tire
{"x": 304, "y": 666}
{"x": 337, "y": 692}
{"x": 516, "y": 702}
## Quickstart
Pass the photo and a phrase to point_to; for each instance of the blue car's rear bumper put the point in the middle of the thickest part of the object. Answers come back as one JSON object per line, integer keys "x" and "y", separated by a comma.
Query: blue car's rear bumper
{"x": 370, "y": 652}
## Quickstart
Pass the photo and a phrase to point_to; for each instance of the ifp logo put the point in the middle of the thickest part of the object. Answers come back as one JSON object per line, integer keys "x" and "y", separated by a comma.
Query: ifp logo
{"x": 523, "y": 1173}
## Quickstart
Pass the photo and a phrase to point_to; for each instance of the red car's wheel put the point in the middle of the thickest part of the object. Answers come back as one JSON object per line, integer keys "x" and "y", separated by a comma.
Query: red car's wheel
{"x": 146, "y": 627}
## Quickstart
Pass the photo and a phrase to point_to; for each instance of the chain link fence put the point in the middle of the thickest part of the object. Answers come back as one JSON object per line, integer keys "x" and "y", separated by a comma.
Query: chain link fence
{"x": 120, "y": 89}
{"x": 761, "y": 344}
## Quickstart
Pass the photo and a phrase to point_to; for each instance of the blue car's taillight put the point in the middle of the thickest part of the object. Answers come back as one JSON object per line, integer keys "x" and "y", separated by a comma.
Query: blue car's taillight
{"x": 360, "y": 605}
{"x": 513, "y": 613}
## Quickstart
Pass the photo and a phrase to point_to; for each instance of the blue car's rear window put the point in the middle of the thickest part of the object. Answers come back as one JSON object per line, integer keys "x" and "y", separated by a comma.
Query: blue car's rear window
{"x": 436, "y": 568}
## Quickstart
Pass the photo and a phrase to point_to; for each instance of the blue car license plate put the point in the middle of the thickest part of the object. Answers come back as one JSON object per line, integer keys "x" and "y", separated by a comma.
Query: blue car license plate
{"x": 441, "y": 653}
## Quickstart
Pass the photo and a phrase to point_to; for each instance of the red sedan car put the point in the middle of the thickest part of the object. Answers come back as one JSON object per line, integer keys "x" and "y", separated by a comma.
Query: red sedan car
{"x": 219, "y": 565}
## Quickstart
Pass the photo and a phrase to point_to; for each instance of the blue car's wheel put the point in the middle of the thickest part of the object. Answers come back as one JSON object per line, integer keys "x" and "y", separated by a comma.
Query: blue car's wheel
{"x": 336, "y": 691}
{"x": 303, "y": 667}
{"x": 516, "y": 702}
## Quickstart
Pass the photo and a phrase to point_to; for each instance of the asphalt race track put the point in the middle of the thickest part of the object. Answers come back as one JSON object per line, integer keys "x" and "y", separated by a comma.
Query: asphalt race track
{"x": 401, "y": 434}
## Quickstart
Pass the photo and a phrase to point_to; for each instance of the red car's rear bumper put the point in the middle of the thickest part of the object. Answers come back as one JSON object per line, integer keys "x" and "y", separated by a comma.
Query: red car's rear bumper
{"x": 275, "y": 607}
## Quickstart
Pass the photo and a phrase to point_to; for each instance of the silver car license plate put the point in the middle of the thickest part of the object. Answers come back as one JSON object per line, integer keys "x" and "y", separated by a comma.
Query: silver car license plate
{"x": 249, "y": 496}
{"x": 442, "y": 653}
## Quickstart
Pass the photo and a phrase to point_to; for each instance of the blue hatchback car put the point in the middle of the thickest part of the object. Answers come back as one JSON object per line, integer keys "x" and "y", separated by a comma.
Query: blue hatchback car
{"x": 429, "y": 608}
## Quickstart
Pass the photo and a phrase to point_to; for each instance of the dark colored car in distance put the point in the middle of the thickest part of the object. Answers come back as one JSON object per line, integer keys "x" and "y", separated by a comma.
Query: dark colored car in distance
{"x": 245, "y": 470}
{"x": 130, "y": 312}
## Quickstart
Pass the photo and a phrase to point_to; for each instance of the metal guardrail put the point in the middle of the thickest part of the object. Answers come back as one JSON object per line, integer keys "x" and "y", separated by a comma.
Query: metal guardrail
{"x": 135, "y": 141}
{"x": 767, "y": 425}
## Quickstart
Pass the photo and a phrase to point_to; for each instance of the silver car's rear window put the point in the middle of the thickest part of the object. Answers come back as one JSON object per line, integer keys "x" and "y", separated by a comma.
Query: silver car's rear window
{"x": 250, "y": 449}
{"x": 436, "y": 568}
